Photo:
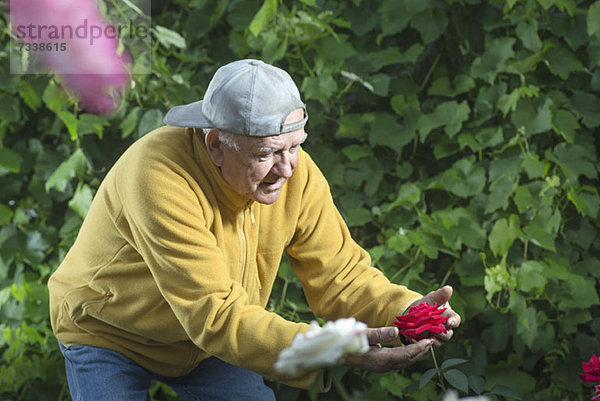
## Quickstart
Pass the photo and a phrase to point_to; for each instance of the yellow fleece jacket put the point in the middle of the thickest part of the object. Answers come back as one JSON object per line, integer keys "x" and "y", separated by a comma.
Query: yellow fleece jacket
{"x": 171, "y": 266}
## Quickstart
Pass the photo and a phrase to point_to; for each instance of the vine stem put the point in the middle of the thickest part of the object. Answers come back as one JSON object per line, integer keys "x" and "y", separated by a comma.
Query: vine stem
{"x": 437, "y": 59}
{"x": 439, "y": 372}
{"x": 340, "y": 388}
{"x": 283, "y": 292}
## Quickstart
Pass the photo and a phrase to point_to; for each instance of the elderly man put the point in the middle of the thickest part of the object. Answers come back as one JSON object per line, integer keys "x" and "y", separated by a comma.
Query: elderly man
{"x": 170, "y": 274}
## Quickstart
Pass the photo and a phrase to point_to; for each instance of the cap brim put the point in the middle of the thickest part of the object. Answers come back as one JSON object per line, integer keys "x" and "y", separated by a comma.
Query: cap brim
{"x": 187, "y": 115}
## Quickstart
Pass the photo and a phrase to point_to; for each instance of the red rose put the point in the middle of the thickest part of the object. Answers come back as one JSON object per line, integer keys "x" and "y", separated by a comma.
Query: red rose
{"x": 591, "y": 369}
{"x": 421, "y": 321}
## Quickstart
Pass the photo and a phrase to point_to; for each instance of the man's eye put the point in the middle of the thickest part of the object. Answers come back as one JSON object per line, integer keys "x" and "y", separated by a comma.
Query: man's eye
{"x": 263, "y": 157}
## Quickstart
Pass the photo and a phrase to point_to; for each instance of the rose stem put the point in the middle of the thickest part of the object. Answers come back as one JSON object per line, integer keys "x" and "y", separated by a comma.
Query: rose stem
{"x": 439, "y": 372}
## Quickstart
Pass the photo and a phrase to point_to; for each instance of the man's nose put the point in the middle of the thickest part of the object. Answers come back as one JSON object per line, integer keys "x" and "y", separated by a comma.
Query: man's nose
{"x": 284, "y": 166}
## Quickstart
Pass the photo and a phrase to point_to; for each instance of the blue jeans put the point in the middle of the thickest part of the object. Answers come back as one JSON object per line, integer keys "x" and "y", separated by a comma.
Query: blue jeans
{"x": 99, "y": 374}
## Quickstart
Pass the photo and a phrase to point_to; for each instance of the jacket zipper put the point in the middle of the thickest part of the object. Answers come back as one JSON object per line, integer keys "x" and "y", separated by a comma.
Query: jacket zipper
{"x": 244, "y": 245}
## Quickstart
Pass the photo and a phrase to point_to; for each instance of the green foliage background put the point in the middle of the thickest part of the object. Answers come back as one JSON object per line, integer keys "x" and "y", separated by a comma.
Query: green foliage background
{"x": 460, "y": 138}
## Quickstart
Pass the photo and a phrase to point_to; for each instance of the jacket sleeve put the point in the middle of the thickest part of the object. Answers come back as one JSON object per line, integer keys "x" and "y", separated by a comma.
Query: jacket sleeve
{"x": 335, "y": 272}
{"x": 169, "y": 227}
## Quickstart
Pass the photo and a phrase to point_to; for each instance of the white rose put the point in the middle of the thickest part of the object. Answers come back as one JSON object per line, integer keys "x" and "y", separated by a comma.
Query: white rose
{"x": 323, "y": 346}
{"x": 453, "y": 396}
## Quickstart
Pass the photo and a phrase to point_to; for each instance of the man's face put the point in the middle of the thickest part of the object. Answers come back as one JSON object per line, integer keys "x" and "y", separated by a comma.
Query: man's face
{"x": 263, "y": 164}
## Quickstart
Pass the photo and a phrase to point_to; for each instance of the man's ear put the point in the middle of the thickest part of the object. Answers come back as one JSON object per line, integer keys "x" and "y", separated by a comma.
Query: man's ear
{"x": 214, "y": 147}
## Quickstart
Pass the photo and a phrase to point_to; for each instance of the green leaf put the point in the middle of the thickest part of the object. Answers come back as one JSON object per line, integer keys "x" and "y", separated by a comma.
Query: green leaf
{"x": 562, "y": 60}
{"x": 75, "y": 165}
{"x": 503, "y": 235}
{"x": 263, "y": 17}
{"x": 405, "y": 105}
{"x": 394, "y": 383}
{"x": 477, "y": 384}
{"x": 395, "y": 15}
{"x": 580, "y": 293}
{"x": 9, "y": 161}
{"x": 565, "y": 124}
{"x": 524, "y": 199}
{"x": 358, "y": 217}
{"x": 527, "y": 326}
{"x": 504, "y": 167}
{"x": 353, "y": 125}
{"x": 35, "y": 247}
{"x": 19, "y": 292}
{"x": 355, "y": 152}
{"x": 585, "y": 200}
{"x": 527, "y": 33}
{"x": 92, "y": 124}
{"x": 500, "y": 191}
{"x": 412, "y": 54}
{"x": 456, "y": 227}
{"x": 9, "y": 108}
{"x": 543, "y": 228}
{"x": 533, "y": 166}
{"x": 275, "y": 47}
{"x": 530, "y": 276}
{"x": 588, "y": 106}
{"x": 82, "y": 199}
{"x": 386, "y": 131}
{"x": 409, "y": 195}
{"x": 70, "y": 122}
{"x": 332, "y": 48}
{"x": 575, "y": 160}
{"x": 5, "y": 214}
{"x": 443, "y": 87}
{"x": 505, "y": 392}
{"x": 449, "y": 114}
{"x": 457, "y": 379}
{"x": 448, "y": 363}
{"x": 129, "y": 123}
{"x": 583, "y": 235}
{"x": 29, "y": 95}
{"x": 497, "y": 52}
{"x": 53, "y": 97}
{"x": 570, "y": 321}
{"x": 319, "y": 88}
{"x": 431, "y": 24}
{"x": 388, "y": 56}
{"x": 534, "y": 120}
{"x": 593, "y": 20}
{"x": 427, "y": 376}
{"x": 168, "y": 37}
{"x": 151, "y": 120}
{"x": 399, "y": 242}
{"x": 380, "y": 83}
{"x": 483, "y": 139}
{"x": 464, "y": 179}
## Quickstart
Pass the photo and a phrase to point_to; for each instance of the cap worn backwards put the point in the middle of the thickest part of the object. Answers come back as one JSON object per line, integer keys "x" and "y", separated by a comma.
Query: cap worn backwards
{"x": 247, "y": 97}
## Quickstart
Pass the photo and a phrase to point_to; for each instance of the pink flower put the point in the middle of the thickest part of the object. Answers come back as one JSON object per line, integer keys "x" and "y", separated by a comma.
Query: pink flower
{"x": 421, "y": 321}
{"x": 596, "y": 396}
{"x": 591, "y": 369}
{"x": 83, "y": 48}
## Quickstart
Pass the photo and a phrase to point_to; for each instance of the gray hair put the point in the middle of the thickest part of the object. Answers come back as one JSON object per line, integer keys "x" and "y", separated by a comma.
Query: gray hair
{"x": 227, "y": 138}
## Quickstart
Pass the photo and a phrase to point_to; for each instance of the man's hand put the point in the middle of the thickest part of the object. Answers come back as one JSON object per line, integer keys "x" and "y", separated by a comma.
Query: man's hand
{"x": 382, "y": 359}
{"x": 441, "y": 297}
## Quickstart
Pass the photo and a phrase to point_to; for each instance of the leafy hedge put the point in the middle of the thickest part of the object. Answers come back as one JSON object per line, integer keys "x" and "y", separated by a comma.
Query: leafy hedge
{"x": 460, "y": 139}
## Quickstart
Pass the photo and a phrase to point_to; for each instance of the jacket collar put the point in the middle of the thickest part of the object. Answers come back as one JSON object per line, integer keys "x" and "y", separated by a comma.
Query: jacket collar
{"x": 225, "y": 195}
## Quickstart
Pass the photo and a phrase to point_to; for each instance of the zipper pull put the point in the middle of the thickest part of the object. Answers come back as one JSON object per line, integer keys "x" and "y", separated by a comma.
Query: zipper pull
{"x": 251, "y": 214}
